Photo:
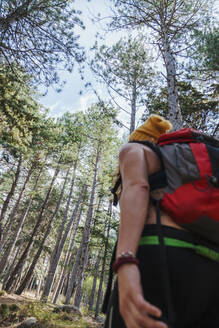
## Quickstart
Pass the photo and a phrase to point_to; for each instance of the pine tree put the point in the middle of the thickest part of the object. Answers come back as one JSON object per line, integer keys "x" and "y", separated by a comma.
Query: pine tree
{"x": 125, "y": 70}
{"x": 40, "y": 36}
{"x": 170, "y": 24}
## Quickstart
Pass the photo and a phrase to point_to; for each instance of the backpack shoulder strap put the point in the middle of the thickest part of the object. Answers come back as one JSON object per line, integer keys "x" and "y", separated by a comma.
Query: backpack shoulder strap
{"x": 114, "y": 190}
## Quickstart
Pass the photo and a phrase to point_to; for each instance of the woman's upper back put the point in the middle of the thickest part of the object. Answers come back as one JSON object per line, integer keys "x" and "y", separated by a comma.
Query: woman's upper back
{"x": 141, "y": 162}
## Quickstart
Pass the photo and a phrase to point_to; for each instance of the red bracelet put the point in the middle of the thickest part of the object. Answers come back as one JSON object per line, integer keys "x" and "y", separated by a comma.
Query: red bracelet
{"x": 124, "y": 260}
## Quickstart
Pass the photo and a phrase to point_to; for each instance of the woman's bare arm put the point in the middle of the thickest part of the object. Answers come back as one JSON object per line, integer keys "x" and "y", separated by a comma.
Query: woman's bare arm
{"x": 135, "y": 310}
{"x": 134, "y": 198}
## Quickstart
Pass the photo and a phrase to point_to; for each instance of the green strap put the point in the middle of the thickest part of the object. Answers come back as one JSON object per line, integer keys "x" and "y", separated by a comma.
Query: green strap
{"x": 199, "y": 249}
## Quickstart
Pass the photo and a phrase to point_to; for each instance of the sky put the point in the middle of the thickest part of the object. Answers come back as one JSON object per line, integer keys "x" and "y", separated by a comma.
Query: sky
{"x": 69, "y": 98}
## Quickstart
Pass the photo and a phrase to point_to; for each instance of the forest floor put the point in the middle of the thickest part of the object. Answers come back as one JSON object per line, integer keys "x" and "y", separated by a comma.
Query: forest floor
{"x": 15, "y": 309}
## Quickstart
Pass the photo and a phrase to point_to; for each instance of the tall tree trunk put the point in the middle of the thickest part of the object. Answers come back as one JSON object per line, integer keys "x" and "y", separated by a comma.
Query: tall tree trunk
{"x": 25, "y": 253}
{"x": 91, "y": 299}
{"x": 66, "y": 212}
{"x": 10, "y": 194}
{"x": 39, "y": 288}
{"x": 80, "y": 279}
{"x": 58, "y": 251}
{"x": 11, "y": 265}
{"x": 85, "y": 238}
{"x": 67, "y": 258}
{"x": 18, "y": 229}
{"x": 133, "y": 107}
{"x": 36, "y": 257}
{"x": 41, "y": 279}
{"x": 175, "y": 115}
{"x": 104, "y": 262}
{"x": 15, "y": 208}
{"x": 32, "y": 280}
{"x": 53, "y": 260}
{"x": 93, "y": 291}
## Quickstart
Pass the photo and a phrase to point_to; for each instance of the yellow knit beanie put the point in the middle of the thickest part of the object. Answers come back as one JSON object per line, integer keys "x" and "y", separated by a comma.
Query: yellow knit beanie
{"x": 151, "y": 129}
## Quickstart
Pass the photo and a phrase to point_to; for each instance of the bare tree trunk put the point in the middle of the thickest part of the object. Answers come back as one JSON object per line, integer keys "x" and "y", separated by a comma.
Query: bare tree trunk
{"x": 25, "y": 253}
{"x": 133, "y": 107}
{"x": 32, "y": 280}
{"x": 80, "y": 279}
{"x": 68, "y": 258}
{"x": 36, "y": 257}
{"x": 91, "y": 299}
{"x": 58, "y": 251}
{"x": 59, "y": 285}
{"x": 93, "y": 291}
{"x": 39, "y": 287}
{"x": 175, "y": 115}
{"x": 54, "y": 257}
{"x": 17, "y": 279}
{"x": 15, "y": 209}
{"x": 41, "y": 280}
{"x": 104, "y": 262}
{"x": 10, "y": 194}
{"x": 18, "y": 229}
{"x": 11, "y": 266}
{"x": 85, "y": 238}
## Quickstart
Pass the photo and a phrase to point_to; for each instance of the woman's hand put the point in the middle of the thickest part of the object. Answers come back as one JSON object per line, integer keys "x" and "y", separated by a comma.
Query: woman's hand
{"x": 135, "y": 311}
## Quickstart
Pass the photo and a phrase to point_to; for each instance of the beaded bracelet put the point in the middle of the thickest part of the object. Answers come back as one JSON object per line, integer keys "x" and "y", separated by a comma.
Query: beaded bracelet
{"x": 124, "y": 260}
{"x": 126, "y": 254}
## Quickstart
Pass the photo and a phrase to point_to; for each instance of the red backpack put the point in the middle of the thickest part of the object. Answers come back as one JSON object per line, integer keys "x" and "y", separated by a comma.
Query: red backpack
{"x": 191, "y": 197}
{"x": 190, "y": 194}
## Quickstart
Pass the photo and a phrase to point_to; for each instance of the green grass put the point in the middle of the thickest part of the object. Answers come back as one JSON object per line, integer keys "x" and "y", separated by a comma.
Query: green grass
{"x": 45, "y": 316}
{"x": 2, "y": 293}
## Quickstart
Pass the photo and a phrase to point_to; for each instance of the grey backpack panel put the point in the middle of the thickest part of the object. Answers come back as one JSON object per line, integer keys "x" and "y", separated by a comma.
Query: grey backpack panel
{"x": 180, "y": 165}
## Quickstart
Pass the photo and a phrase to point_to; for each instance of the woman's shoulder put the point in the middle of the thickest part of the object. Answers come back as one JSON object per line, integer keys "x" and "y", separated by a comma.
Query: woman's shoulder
{"x": 136, "y": 147}
{"x": 131, "y": 146}
{"x": 141, "y": 151}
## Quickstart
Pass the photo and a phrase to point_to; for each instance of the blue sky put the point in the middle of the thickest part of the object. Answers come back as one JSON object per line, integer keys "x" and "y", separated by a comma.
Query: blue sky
{"x": 69, "y": 99}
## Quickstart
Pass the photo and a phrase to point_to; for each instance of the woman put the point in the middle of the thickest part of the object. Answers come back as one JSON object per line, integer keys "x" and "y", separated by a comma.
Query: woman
{"x": 139, "y": 298}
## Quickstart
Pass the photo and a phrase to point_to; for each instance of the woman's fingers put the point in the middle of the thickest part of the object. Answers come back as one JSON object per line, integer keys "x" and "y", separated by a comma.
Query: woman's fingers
{"x": 142, "y": 312}
{"x": 135, "y": 310}
{"x": 145, "y": 306}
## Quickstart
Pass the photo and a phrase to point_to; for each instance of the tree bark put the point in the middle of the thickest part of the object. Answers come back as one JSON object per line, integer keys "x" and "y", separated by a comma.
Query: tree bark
{"x": 11, "y": 265}
{"x": 38, "y": 288}
{"x": 54, "y": 258}
{"x": 175, "y": 115}
{"x": 18, "y": 229}
{"x": 93, "y": 291}
{"x": 104, "y": 263}
{"x": 91, "y": 299}
{"x": 133, "y": 107}
{"x": 36, "y": 257}
{"x": 85, "y": 238}
{"x": 80, "y": 279}
{"x": 32, "y": 280}
{"x": 15, "y": 208}
{"x": 68, "y": 258}
{"x": 10, "y": 194}
{"x": 58, "y": 250}
{"x": 26, "y": 251}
